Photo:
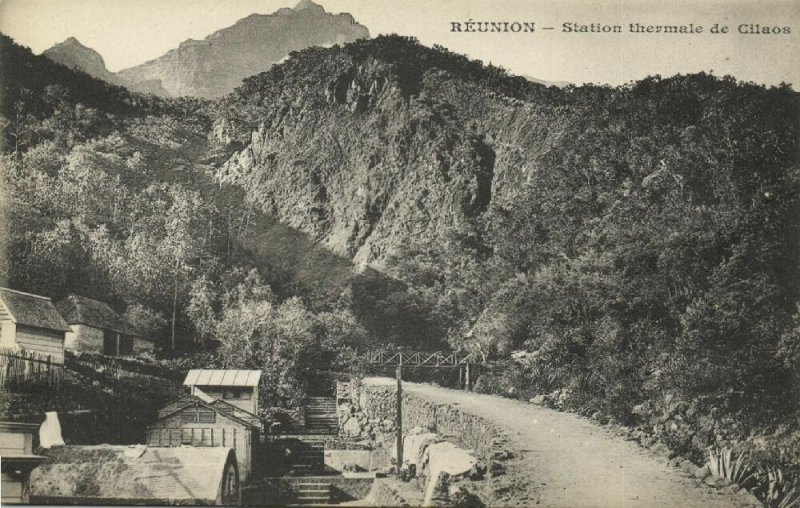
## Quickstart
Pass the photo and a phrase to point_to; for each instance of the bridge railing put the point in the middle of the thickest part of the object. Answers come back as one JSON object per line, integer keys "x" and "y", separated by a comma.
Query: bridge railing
{"x": 436, "y": 359}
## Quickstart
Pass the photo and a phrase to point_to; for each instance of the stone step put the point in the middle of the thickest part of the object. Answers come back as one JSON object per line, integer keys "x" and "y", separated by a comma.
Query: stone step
{"x": 306, "y": 468}
{"x": 313, "y": 499}
{"x": 313, "y": 489}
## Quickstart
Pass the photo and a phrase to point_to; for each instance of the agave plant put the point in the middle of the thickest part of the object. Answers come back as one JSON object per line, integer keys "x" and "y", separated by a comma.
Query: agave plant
{"x": 722, "y": 462}
{"x": 779, "y": 490}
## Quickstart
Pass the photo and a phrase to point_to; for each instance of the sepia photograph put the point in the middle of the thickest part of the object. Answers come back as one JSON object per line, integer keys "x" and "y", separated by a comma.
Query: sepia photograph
{"x": 400, "y": 253}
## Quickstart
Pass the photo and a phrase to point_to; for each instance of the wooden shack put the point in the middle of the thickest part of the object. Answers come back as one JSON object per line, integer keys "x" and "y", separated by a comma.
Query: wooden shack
{"x": 96, "y": 327}
{"x": 17, "y": 441}
{"x": 204, "y": 422}
{"x": 31, "y": 322}
{"x": 136, "y": 475}
{"x": 237, "y": 387}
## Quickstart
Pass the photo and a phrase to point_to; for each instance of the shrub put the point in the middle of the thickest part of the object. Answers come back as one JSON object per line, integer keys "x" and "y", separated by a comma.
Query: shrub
{"x": 777, "y": 489}
{"x": 722, "y": 463}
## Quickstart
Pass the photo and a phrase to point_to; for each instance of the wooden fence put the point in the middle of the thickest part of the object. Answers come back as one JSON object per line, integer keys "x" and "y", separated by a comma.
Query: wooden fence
{"x": 107, "y": 369}
{"x": 20, "y": 369}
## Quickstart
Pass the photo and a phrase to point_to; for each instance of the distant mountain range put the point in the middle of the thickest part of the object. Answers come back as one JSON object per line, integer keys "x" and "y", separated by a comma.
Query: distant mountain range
{"x": 217, "y": 64}
{"x": 559, "y": 84}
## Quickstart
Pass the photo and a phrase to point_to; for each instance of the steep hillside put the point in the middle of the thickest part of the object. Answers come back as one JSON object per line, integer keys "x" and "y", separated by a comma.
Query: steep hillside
{"x": 217, "y": 64}
{"x": 636, "y": 240}
{"x": 372, "y": 146}
{"x": 73, "y": 54}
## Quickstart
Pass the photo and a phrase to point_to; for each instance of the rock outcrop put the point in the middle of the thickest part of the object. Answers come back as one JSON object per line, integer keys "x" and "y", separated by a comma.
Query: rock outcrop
{"x": 73, "y": 54}
{"x": 367, "y": 156}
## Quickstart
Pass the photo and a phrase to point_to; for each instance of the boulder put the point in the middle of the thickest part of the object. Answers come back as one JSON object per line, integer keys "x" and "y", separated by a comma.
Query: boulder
{"x": 688, "y": 466}
{"x": 660, "y": 449}
{"x": 352, "y": 428}
{"x": 701, "y": 472}
{"x": 538, "y": 400}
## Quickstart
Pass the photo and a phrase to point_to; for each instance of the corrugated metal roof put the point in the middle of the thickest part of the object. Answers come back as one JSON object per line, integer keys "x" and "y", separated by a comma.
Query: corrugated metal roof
{"x": 181, "y": 474}
{"x": 230, "y": 377}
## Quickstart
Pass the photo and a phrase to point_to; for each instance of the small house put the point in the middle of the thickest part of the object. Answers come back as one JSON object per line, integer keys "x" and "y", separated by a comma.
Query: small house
{"x": 136, "y": 475}
{"x": 17, "y": 460}
{"x": 96, "y": 327}
{"x": 202, "y": 421}
{"x": 31, "y": 322}
{"x": 237, "y": 387}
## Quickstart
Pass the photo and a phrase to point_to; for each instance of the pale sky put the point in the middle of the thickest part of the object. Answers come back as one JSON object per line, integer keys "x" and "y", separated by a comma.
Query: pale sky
{"x": 129, "y": 32}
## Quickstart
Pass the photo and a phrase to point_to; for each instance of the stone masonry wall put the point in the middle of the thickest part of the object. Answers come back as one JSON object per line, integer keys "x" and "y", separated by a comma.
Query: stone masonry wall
{"x": 371, "y": 413}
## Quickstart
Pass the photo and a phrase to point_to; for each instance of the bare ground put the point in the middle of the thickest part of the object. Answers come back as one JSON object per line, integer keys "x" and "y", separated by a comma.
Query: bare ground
{"x": 565, "y": 460}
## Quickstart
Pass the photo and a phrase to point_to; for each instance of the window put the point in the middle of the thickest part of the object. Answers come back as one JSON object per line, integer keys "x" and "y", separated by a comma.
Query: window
{"x": 237, "y": 394}
{"x": 206, "y": 417}
{"x": 189, "y": 417}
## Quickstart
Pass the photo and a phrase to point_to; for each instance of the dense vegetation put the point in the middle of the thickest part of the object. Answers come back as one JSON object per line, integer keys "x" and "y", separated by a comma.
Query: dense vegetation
{"x": 640, "y": 243}
{"x": 109, "y": 194}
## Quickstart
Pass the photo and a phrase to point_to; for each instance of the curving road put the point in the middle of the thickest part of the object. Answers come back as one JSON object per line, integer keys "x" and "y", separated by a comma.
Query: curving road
{"x": 565, "y": 460}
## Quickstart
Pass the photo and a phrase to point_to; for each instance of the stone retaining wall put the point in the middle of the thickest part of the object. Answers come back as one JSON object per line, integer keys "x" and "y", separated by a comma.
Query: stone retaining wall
{"x": 372, "y": 413}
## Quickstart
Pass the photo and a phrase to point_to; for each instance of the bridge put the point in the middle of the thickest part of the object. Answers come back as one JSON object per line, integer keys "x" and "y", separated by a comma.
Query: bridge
{"x": 418, "y": 359}
{"x": 423, "y": 359}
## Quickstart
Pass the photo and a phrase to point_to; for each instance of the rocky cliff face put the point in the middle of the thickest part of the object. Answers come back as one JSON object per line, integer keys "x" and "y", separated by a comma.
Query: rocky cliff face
{"x": 217, "y": 64}
{"x": 367, "y": 157}
{"x": 74, "y": 54}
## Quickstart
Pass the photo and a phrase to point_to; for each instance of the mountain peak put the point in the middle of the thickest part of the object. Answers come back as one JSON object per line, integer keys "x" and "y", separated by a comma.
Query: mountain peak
{"x": 216, "y": 65}
{"x": 307, "y": 4}
{"x": 73, "y": 53}
{"x": 72, "y": 42}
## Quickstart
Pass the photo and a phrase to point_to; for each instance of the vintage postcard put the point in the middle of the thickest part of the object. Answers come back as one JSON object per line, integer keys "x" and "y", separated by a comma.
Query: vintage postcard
{"x": 400, "y": 253}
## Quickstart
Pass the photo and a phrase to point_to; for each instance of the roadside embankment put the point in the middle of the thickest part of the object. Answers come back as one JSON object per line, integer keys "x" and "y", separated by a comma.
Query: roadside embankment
{"x": 532, "y": 454}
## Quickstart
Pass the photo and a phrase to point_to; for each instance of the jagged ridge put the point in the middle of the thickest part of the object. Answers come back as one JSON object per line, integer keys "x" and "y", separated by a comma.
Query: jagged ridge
{"x": 217, "y": 64}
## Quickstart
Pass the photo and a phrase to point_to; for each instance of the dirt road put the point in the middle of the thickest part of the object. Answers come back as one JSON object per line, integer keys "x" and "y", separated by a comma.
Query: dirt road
{"x": 566, "y": 460}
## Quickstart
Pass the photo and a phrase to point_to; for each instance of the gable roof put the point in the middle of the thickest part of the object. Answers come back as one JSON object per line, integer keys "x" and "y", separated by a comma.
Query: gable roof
{"x": 179, "y": 475}
{"x": 202, "y": 377}
{"x": 32, "y": 310}
{"x": 223, "y": 408}
{"x": 79, "y": 310}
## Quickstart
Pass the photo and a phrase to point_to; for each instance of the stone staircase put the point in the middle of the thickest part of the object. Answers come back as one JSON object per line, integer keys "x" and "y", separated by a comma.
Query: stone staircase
{"x": 308, "y": 460}
{"x": 321, "y": 418}
{"x": 313, "y": 492}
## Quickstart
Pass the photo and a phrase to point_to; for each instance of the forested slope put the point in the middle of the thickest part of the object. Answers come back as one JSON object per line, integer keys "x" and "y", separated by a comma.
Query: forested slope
{"x": 639, "y": 242}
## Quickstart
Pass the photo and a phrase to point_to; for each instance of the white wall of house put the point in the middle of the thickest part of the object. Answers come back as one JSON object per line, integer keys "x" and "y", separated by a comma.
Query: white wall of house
{"x": 12, "y": 485}
{"x": 8, "y": 334}
{"x": 8, "y": 329}
{"x": 44, "y": 342}
{"x": 227, "y": 432}
{"x": 84, "y": 338}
